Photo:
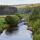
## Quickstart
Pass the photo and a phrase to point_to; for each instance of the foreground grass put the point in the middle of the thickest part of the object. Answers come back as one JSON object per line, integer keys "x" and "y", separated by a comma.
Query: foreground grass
{"x": 2, "y": 25}
{"x": 36, "y": 36}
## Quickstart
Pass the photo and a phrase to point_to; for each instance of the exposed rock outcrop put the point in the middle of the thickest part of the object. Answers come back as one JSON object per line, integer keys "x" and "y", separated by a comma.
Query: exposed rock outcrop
{"x": 5, "y": 10}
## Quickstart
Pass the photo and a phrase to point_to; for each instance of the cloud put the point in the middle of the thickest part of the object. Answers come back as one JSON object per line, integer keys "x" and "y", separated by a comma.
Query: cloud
{"x": 15, "y": 2}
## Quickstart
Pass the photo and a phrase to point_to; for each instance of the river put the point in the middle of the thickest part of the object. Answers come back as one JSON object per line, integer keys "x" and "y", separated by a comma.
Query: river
{"x": 22, "y": 33}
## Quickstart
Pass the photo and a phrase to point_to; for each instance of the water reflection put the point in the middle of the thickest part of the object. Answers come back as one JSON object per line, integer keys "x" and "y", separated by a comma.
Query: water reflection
{"x": 21, "y": 34}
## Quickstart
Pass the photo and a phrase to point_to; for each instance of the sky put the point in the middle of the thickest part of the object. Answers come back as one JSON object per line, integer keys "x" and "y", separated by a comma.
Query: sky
{"x": 16, "y": 2}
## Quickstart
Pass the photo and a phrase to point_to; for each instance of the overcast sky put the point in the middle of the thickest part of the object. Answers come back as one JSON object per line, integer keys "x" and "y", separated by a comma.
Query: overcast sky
{"x": 16, "y": 2}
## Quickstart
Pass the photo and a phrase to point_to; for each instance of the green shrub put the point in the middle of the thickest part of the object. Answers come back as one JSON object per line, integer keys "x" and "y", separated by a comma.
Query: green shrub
{"x": 19, "y": 15}
{"x": 12, "y": 20}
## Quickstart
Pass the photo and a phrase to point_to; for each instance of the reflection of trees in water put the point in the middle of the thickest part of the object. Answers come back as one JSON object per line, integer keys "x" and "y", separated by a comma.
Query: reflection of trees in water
{"x": 12, "y": 30}
{"x": 12, "y": 23}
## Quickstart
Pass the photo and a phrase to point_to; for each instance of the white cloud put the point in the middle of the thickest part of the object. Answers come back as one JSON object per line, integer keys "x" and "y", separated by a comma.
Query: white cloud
{"x": 15, "y": 2}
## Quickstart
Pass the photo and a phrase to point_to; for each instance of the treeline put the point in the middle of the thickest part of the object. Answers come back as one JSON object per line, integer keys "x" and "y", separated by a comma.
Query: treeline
{"x": 7, "y": 10}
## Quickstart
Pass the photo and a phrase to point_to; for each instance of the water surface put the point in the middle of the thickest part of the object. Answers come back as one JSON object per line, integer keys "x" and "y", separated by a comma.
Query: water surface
{"x": 21, "y": 34}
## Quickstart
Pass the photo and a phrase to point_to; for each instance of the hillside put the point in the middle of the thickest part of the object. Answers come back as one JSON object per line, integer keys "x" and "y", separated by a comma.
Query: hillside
{"x": 22, "y": 8}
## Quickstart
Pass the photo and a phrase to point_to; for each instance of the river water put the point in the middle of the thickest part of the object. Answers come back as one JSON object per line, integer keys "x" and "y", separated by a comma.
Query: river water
{"x": 22, "y": 34}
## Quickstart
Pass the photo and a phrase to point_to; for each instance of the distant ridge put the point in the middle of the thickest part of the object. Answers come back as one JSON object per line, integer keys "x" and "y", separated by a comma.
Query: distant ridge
{"x": 21, "y": 8}
{"x": 21, "y": 4}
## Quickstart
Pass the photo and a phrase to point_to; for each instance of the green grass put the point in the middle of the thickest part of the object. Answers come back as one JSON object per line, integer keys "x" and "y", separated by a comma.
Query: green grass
{"x": 2, "y": 24}
{"x": 36, "y": 36}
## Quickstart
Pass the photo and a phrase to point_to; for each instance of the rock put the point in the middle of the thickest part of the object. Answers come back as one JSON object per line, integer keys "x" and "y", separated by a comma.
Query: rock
{"x": 7, "y": 10}
{"x": 29, "y": 28}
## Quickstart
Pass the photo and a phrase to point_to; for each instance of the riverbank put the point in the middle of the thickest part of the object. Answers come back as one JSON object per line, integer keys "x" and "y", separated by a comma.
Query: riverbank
{"x": 22, "y": 33}
{"x": 33, "y": 21}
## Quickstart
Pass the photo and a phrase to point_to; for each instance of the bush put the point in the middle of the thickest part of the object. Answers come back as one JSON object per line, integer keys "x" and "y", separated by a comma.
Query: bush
{"x": 12, "y": 20}
{"x": 19, "y": 15}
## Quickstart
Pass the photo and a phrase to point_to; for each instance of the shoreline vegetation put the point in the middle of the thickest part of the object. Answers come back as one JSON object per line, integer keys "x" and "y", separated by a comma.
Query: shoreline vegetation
{"x": 31, "y": 15}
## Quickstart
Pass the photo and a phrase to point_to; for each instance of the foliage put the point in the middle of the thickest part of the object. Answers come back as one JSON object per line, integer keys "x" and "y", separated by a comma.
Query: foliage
{"x": 2, "y": 24}
{"x": 12, "y": 20}
{"x": 34, "y": 22}
{"x": 5, "y": 21}
{"x": 36, "y": 37}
